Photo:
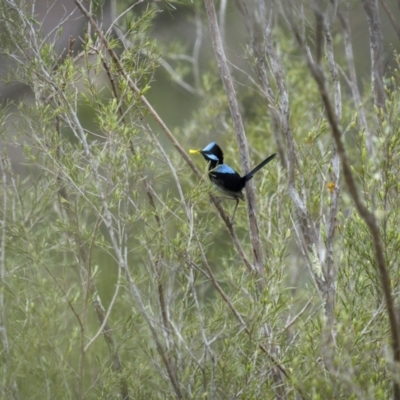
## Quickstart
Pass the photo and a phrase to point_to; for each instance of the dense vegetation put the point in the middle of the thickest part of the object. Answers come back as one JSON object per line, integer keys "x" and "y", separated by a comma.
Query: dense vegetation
{"x": 122, "y": 275}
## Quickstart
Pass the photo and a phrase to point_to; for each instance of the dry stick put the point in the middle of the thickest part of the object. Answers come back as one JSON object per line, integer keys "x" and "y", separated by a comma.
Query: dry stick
{"x": 348, "y": 48}
{"x": 376, "y": 47}
{"x": 222, "y": 18}
{"x": 363, "y": 211}
{"x": 196, "y": 53}
{"x": 240, "y": 134}
{"x": 169, "y": 135}
{"x": 3, "y": 328}
{"x": 333, "y": 70}
{"x": 115, "y": 93}
{"x": 331, "y": 270}
{"x": 319, "y": 37}
{"x": 392, "y": 19}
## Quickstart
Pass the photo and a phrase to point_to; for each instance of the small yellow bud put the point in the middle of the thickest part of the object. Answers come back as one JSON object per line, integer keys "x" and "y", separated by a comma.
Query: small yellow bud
{"x": 331, "y": 186}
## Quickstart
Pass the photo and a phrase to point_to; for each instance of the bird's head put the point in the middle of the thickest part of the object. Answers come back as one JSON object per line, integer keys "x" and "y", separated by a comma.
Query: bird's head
{"x": 212, "y": 153}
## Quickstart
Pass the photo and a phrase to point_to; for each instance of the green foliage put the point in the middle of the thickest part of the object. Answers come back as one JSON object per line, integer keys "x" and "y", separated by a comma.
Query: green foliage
{"x": 107, "y": 216}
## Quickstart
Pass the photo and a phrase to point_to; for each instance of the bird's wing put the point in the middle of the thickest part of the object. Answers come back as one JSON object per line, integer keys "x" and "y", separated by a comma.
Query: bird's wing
{"x": 227, "y": 181}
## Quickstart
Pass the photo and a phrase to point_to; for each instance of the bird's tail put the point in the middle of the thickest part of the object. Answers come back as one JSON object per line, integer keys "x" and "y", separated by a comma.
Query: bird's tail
{"x": 248, "y": 176}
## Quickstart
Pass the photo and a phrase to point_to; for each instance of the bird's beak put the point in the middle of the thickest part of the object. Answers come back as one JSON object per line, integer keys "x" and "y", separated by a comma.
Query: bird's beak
{"x": 191, "y": 151}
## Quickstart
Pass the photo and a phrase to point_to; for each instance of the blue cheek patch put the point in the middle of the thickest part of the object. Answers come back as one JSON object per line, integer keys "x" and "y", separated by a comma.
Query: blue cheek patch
{"x": 224, "y": 169}
{"x": 212, "y": 157}
{"x": 209, "y": 147}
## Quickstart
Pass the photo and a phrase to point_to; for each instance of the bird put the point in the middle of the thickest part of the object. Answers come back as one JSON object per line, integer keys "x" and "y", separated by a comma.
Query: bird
{"x": 225, "y": 178}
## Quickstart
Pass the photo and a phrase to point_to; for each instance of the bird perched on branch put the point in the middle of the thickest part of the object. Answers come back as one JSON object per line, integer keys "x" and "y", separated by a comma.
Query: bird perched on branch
{"x": 225, "y": 178}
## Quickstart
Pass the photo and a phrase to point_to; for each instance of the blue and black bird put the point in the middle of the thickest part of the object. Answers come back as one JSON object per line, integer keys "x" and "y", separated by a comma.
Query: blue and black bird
{"x": 225, "y": 178}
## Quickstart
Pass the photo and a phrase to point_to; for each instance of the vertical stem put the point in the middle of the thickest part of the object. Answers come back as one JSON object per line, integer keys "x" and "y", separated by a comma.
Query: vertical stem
{"x": 331, "y": 268}
{"x": 348, "y": 48}
{"x": 371, "y": 8}
{"x": 240, "y": 133}
{"x": 3, "y": 329}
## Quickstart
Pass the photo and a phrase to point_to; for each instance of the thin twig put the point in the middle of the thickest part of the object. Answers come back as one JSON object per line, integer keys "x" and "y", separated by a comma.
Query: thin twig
{"x": 376, "y": 48}
{"x": 392, "y": 19}
{"x": 348, "y": 47}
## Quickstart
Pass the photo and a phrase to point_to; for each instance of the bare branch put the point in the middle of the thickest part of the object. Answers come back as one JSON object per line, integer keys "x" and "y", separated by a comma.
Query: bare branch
{"x": 348, "y": 47}
{"x": 376, "y": 47}
{"x": 392, "y": 19}
{"x": 222, "y": 18}
{"x": 240, "y": 134}
{"x": 331, "y": 269}
{"x": 3, "y": 328}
